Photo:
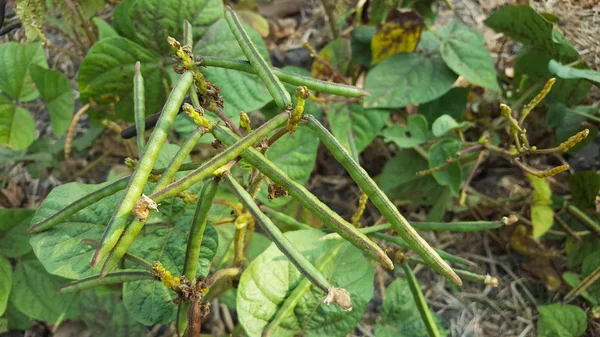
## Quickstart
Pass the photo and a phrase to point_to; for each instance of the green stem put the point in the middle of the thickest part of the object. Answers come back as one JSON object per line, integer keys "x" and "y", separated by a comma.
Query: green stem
{"x": 178, "y": 160}
{"x": 139, "y": 101}
{"x": 287, "y": 77}
{"x": 139, "y": 177}
{"x": 458, "y": 226}
{"x": 286, "y": 219}
{"x": 285, "y": 246}
{"x": 584, "y": 219}
{"x": 307, "y": 199}
{"x": 206, "y": 170}
{"x": 381, "y": 201}
{"x": 263, "y": 70}
{"x": 128, "y": 275}
{"x": 419, "y": 299}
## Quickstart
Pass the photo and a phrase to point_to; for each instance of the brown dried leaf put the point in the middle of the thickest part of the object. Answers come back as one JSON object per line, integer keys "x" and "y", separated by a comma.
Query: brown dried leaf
{"x": 400, "y": 34}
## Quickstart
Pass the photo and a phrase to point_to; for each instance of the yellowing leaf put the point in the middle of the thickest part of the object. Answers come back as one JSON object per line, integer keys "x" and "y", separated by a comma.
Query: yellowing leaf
{"x": 542, "y": 215}
{"x": 400, "y": 34}
{"x": 333, "y": 61}
{"x": 256, "y": 21}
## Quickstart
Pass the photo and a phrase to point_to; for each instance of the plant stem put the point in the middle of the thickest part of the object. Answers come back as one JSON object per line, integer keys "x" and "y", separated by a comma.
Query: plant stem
{"x": 286, "y": 219}
{"x": 178, "y": 160}
{"x": 585, "y": 283}
{"x": 584, "y": 219}
{"x": 112, "y": 278}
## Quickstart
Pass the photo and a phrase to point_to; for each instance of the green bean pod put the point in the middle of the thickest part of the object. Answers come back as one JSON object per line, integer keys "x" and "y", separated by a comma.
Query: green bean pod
{"x": 139, "y": 103}
{"x": 284, "y": 244}
{"x": 178, "y": 160}
{"x": 120, "y": 249}
{"x": 381, "y": 201}
{"x": 126, "y": 275}
{"x": 307, "y": 199}
{"x": 206, "y": 170}
{"x": 142, "y": 171}
{"x": 192, "y": 253}
{"x": 287, "y": 77}
{"x": 584, "y": 218}
{"x": 182, "y": 318}
{"x": 417, "y": 294}
{"x": 263, "y": 69}
{"x": 79, "y": 204}
{"x": 286, "y": 219}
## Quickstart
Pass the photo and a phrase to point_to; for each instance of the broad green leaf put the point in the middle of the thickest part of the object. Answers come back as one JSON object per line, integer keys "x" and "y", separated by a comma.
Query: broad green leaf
{"x": 400, "y": 316}
{"x": 565, "y": 71}
{"x": 558, "y": 320}
{"x": 57, "y": 93}
{"x": 414, "y": 133}
{"x": 15, "y": 80}
{"x": 34, "y": 292}
{"x": 452, "y": 103}
{"x": 240, "y": 91}
{"x": 451, "y": 175}
{"x": 584, "y": 187}
{"x": 17, "y": 126}
{"x": 105, "y": 30}
{"x": 106, "y": 76}
{"x": 364, "y": 124}
{"x": 361, "y": 44}
{"x": 16, "y": 319}
{"x": 406, "y": 79}
{"x": 577, "y": 251}
{"x": 445, "y": 123}
{"x": 105, "y": 315}
{"x": 271, "y": 278}
{"x": 338, "y": 54}
{"x": 122, "y": 22}
{"x": 155, "y": 20}
{"x": 542, "y": 215}
{"x": 400, "y": 34}
{"x": 14, "y": 239}
{"x": 3, "y": 325}
{"x": 5, "y": 282}
{"x": 400, "y": 182}
{"x": 464, "y": 52}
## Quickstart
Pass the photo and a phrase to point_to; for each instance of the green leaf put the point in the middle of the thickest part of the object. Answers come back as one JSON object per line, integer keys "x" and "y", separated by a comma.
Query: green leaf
{"x": 240, "y": 91}
{"x": 464, "y": 52}
{"x": 361, "y": 44}
{"x": 16, "y": 319}
{"x": 452, "y": 103}
{"x": 106, "y": 76}
{"x": 15, "y": 80}
{"x": 584, "y": 187}
{"x": 451, "y": 175}
{"x": 155, "y": 20}
{"x": 14, "y": 239}
{"x": 542, "y": 215}
{"x": 5, "y": 282}
{"x": 577, "y": 251}
{"x": 565, "y": 71}
{"x": 100, "y": 309}
{"x": 414, "y": 133}
{"x": 34, "y": 292}
{"x": 105, "y": 30}
{"x": 271, "y": 278}
{"x": 400, "y": 316}
{"x": 17, "y": 126}
{"x": 400, "y": 182}
{"x": 445, "y": 124}
{"x": 56, "y": 91}
{"x": 573, "y": 281}
{"x": 406, "y": 79}
{"x": 558, "y": 320}
{"x": 364, "y": 124}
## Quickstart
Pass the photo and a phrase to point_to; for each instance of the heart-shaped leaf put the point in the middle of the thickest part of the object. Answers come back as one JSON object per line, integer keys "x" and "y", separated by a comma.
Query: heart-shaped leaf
{"x": 414, "y": 133}
{"x": 445, "y": 123}
{"x": 451, "y": 175}
{"x": 17, "y": 126}
{"x": 58, "y": 95}
{"x": 363, "y": 124}
{"x": 15, "y": 80}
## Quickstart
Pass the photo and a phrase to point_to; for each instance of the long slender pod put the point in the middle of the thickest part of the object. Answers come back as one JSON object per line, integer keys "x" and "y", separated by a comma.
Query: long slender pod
{"x": 206, "y": 170}
{"x": 417, "y": 294}
{"x": 139, "y": 177}
{"x": 178, "y": 160}
{"x": 286, "y": 219}
{"x": 307, "y": 199}
{"x": 287, "y": 77}
{"x": 127, "y": 275}
{"x": 284, "y": 244}
{"x": 263, "y": 69}
{"x": 139, "y": 102}
{"x": 192, "y": 252}
{"x": 381, "y": 201}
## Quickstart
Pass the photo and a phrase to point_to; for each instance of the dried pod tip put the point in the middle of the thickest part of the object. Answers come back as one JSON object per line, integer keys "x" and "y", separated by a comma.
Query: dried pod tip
{"x": 142, "y": 207}
{"x": 509, "y": 220}
{"x": 174, "y": 44}
{"x": 505, "y": 110}
{"x": 491, "y": 280}
{"x": 339, "y": 296}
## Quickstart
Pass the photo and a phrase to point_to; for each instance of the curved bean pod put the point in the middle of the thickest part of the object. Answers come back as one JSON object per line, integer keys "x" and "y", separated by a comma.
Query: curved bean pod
{"x": 287, "y": 77}
{"x": 286, "y": 219}
{"x": 178, "y": 160}
{"x": 263, "y": 69}
{"x": 127, "y": 275}
{"x": 117, "y": 223}
{"x": 417, "y": 294}
{"x": 139, "y": 101}
{"x": 307, "y": 199}
{"x": 381, "y": 201}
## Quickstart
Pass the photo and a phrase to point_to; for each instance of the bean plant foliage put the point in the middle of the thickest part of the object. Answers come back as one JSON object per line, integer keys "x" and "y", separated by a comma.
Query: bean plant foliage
{"x": 159, "y": 245}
